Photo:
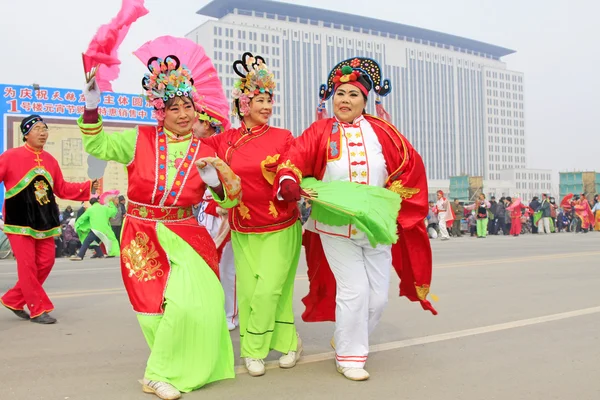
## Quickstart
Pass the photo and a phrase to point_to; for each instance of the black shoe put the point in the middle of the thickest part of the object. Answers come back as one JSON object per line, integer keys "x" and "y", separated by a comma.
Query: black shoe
{"x": 19, "y": 313}
{"x": 45, "y": 319}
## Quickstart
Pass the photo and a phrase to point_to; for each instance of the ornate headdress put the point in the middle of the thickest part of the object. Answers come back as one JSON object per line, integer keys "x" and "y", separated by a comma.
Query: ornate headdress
{"x": 166, "y": 80}
{"x": 255, "y": 79}
{"x": 364, "y": 73}
{"x": 189, "y": 73}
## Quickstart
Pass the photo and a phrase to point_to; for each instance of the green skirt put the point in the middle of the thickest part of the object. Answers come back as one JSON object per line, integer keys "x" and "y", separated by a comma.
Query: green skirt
{"x": 190, "y": 343}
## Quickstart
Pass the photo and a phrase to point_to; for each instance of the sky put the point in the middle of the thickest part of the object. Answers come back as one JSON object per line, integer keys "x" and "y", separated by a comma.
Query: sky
{"x": 556, "y": 43}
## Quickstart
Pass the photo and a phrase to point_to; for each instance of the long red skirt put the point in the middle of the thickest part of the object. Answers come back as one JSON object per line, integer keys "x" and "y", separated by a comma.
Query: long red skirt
{"x": 515, "y": 226}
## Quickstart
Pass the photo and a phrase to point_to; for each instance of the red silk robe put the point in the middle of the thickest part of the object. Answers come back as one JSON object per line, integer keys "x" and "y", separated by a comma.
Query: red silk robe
{"x": 411, "y": 255}
{"x": 247, "y": 152}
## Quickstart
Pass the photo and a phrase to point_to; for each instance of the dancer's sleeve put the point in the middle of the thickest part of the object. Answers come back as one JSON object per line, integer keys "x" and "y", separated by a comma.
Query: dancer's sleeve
{"x": 118, "y": 146}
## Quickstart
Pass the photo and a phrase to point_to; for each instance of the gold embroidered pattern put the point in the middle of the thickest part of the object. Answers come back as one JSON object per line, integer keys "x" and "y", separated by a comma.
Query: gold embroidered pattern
{"x": 269, "y": 175}
{"x": 143, "y": 212}
{"x": 244, "y": 211}
{"x": 231, "y": 182}
{"x": 273, "y": 210}
{"x": 41, "y": 192}
{"x": 404, "y": 192}
{"x": 422, "y": 291}
{"x": 288, "y": 164}
{"x": 140, "y": 258}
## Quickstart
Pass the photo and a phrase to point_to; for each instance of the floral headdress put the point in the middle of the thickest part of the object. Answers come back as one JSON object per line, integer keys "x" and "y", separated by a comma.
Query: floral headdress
{"x": 166, "y": 80}
{"x": 255, "y": 79}
{"x": 362, "y": 72}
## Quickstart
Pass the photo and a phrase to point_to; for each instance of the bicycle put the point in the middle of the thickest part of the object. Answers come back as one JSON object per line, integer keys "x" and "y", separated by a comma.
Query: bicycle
{"x": 5, "y": 249}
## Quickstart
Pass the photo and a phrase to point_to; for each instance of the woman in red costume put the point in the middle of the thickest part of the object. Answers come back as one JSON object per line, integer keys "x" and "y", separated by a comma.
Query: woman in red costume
{"x": 515, "y": 208}
{"x": 584, "y": 213}
{"x": 266, "y": 233}
{"x": 169, "y": 262}
{"x": 356, "y": 147}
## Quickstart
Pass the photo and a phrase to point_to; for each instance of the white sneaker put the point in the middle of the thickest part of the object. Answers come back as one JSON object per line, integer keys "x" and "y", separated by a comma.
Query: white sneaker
{"x": 354, "y": 374}
{"x": 290, "y": 359}
{"x": 255, "y": 366}
{"x": 231, "y": 326}
{"x": 163, "y": 390}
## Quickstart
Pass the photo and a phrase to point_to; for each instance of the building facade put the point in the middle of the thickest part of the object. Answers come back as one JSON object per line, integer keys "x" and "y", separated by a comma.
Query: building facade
{"x": 452, "y": 97}
{"x": 531, "y": 182}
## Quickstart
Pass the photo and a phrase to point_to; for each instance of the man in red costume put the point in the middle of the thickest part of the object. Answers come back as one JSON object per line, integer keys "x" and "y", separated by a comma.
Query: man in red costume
{"x": 356, "y": 147}
{"x": 32, "y": 178}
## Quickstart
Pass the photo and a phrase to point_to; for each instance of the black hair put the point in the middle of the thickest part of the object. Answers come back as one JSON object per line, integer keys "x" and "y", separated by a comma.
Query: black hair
{"x": 237, "y": 105}
{"x": 93, "y": 200}
{"x": 172, "y": 100}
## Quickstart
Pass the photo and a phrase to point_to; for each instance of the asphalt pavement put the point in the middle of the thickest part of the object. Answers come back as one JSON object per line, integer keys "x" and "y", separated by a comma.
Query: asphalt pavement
{"x": 518, "y": 319}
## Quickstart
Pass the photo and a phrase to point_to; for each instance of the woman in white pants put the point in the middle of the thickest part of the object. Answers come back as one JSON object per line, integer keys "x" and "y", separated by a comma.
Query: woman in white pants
{"x": 349, "y": 278}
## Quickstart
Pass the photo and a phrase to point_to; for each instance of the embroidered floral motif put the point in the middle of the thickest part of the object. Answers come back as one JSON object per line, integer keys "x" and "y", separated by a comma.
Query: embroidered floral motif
{"x": 269, "y": 174}
{"x": 422, "y": 291}
{"x": 140, "y": 258}
{"x": 404, "y": 192}
{"x": 41, "y": 192}
{"x": 244, "y": 211}
{"x": 273, "y": 210}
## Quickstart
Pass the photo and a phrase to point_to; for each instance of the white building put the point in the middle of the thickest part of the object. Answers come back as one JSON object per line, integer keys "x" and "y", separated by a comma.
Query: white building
{"x": 531, "y": 182}
{"x": 504, "y": 121}
{"x": 452, "y": 97}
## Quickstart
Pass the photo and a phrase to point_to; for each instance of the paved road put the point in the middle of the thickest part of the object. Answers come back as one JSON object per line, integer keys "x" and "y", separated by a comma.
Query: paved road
{"x": 518, "y": 319}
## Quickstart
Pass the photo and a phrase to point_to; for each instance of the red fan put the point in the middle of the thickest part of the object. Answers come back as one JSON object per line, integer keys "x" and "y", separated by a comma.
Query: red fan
{"x": 192, "y": 56}
{"x": 565, "y": 204}
{"x": 101, "y": 59}
{"x": 516, "y": 203}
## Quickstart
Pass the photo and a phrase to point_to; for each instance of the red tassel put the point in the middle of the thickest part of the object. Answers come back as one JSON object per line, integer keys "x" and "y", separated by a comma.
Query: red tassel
{"x": 321, "y": 111}
{"x": 381, "y": 113}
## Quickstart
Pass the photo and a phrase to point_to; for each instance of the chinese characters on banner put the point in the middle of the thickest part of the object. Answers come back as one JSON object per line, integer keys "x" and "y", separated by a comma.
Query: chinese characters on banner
{"x": 61, "y": 108}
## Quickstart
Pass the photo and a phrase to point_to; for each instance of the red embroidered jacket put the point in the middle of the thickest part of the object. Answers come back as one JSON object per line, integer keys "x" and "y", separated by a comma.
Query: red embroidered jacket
{"x": 247, "y": 152}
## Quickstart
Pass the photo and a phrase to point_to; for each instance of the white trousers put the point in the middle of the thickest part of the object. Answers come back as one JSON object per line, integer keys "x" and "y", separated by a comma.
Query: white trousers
{"x": 227, "y": 273}
{"x": 442, "y": 224}
{"x": 362, "y": 275}
{"x": 544, "y": 225}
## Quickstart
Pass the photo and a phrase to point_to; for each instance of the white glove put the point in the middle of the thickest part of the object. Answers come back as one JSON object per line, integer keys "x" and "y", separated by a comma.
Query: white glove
{"x": 208, "y": 173}
{"x": 92, "y": 95}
